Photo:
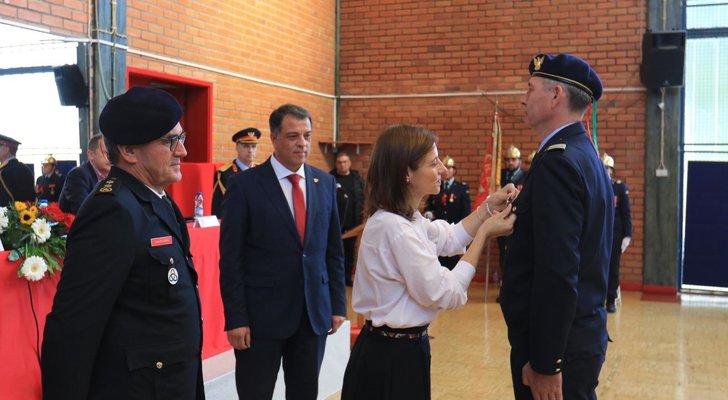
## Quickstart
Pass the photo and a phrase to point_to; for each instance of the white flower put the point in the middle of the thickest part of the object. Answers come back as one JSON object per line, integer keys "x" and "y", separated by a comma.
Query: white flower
{"x": 41, "y": 229}
{"x": 34, "y": 268}
{"x": 3, "y": 222}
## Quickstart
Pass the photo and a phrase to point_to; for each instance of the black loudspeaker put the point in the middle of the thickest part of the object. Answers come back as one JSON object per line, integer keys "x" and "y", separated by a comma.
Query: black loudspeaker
{"x": 663, "y": 59}
{"x": 72, "y": 89}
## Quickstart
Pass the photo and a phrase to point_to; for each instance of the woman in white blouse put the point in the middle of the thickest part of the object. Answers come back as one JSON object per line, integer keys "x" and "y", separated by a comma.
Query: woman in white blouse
{"x": 400, "y": 285}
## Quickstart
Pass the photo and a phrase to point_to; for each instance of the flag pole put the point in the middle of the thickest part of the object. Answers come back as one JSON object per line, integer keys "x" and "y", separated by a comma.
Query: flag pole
{"x": 494, "y": 183}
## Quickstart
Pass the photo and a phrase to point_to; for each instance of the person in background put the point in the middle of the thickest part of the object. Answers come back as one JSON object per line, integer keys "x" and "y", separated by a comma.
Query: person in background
{"x": 451, "y": 203}
{"x": 281, "y": 264}
{"x": 400, "y": 286}
{"x": 16, "y": 180}
{"x": 246, "y": 145}
{"x": 513, "y": 174}
{"x": 82, "y": 179}
{"x": 622, "y": 232}
{"x": 350, "y": 202}
{"x": 48, "y": 186}
{"x": 555, "y": 275}
{"x": 126, "y": 320}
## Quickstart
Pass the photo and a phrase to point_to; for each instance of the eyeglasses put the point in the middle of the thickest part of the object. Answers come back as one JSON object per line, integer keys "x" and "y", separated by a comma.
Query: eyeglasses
{"x": 175, "y": 140}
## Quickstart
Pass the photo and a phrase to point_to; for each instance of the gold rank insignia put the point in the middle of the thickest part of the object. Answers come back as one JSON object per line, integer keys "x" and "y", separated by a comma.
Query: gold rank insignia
{"x": 108, "y": 185}
{"x": 537, "y": 61}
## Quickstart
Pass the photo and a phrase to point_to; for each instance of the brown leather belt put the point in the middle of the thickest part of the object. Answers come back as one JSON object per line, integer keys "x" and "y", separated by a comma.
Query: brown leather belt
{"x": 407, "y": 333}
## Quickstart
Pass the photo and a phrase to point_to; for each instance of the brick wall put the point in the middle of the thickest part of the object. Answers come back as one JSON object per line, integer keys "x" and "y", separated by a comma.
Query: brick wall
{"x": 289, "y": 43}
{"x": 470, "y": 52}
{"x": 64, "y": 17}
{"x": 400, "y": 47}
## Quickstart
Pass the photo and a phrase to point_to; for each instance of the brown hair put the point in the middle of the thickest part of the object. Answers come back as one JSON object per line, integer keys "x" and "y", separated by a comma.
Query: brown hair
{"x": 397, "y": 148}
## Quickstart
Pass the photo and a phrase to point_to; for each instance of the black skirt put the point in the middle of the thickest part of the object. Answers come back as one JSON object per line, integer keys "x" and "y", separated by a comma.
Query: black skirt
{"x": 389, "y": 364}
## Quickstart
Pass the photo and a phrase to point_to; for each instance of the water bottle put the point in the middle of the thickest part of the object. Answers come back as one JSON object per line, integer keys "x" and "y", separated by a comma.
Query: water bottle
{"x": 199, "y": 208}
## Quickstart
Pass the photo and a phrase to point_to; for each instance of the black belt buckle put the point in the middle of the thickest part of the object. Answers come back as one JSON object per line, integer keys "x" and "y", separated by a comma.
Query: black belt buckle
{"x": 395, "y": 335}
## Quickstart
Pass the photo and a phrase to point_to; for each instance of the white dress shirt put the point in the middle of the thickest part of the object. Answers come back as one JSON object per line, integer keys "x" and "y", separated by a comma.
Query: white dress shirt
{"x": 286, "y": 185}
{"x": 399, "y": 281}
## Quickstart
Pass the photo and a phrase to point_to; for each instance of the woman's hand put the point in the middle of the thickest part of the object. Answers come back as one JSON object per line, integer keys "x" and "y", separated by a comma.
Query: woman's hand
{"x": 500, "y": 224}
{"x": 503, "y": 197}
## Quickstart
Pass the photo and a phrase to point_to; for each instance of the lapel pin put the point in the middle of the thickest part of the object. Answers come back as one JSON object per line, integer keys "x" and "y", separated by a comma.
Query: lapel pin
{"x": 315, "y": 180}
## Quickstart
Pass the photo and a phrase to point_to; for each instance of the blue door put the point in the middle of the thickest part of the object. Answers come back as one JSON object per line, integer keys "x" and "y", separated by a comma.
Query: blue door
{"x": 705, "y": 261}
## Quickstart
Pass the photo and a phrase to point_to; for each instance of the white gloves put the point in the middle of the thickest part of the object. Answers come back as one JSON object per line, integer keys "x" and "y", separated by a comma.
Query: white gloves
{"x": 429, "y": 215}
{"x": 625, "y": 243}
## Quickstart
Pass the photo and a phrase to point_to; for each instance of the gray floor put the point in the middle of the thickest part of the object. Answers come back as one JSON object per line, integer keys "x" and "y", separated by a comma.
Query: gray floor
{"x": 221, "y": 388}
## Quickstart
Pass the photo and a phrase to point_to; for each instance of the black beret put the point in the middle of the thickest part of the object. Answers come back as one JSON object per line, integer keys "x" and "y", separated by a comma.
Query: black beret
{"x": 247, "y": 135}
{"x": 568, "y": 69}
{"x": 8, "y": 141}
{"x": 139, "y": 116}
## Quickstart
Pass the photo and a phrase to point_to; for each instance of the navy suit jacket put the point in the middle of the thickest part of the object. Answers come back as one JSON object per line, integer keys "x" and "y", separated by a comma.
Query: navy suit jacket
{"x": 555, "y": 275}
{"x": 79, "y": 184}
{"x": 267, "y": 277}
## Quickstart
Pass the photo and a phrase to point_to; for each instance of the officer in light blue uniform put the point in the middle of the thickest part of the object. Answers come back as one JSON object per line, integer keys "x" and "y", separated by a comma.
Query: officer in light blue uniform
{"x": 555, "y": 275}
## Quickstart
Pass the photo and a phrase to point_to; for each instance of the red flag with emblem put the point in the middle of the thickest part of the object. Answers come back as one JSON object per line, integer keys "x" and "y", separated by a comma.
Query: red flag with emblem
{"x": 489, "y": 176}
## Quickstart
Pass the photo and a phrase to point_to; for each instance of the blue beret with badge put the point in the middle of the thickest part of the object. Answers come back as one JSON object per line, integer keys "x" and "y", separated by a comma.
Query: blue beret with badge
{"x": 569, "y": 69}
{"x": 140, "y": 115}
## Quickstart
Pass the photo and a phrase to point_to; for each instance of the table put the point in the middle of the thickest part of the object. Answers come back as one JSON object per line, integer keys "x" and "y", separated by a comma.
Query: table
{"x": 19, "y": 368}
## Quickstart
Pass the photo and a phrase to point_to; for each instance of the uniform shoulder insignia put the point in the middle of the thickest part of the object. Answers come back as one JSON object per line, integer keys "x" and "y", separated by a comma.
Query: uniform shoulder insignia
{"x": 225, "y": 167}
{"x": 107, "y": 185}
{"x": 560, "y": 146}
{"x": 619, "y": 182}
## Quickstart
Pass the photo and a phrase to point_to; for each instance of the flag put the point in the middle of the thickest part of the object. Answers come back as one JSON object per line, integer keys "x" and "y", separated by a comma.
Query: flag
{"x": 489, "y": 176}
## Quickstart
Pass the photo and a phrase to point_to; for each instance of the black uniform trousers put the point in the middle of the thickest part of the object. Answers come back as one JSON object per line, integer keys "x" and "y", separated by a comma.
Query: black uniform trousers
{"x": 580, "y": 376}
{"x": 614, "y": 259}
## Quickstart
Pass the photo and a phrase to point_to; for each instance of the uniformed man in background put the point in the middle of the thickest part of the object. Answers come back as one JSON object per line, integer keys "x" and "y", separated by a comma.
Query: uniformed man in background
{"x": 622, "y": 232}
{"x": 246, "y": 145}
{"x": 452, "y": 203}
{"x": 16, "y": 180}
{"x": 126, "y": 321}
{"x": 49, "y": 185}
{"x": 556, "y": 266}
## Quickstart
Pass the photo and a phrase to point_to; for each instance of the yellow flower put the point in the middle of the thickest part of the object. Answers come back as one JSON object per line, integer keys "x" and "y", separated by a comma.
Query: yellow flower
{"x": 20, "y": 206}
{"x": 33, "y": 209}
{"x": 26, "y": 217}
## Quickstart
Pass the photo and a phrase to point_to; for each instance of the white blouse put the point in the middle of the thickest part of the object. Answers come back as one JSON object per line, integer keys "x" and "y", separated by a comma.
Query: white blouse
{"x": 399, "y": 280}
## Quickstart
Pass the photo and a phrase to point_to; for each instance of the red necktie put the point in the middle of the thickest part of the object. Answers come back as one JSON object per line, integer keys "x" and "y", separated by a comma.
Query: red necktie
{"x": 299, "y": 205}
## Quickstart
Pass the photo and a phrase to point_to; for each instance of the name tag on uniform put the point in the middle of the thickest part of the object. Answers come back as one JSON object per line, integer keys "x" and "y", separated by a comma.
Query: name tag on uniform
{"x": 161, "y": 241}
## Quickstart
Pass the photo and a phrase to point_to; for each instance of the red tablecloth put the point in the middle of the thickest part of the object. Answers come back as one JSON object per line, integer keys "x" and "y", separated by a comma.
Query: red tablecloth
{"x": 19, "y": 368}
{"x": 196, "y": 177}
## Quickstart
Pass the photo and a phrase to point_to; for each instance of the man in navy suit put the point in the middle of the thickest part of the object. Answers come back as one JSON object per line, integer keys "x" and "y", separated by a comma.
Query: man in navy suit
{"x": 281, "y": 264}
{"x": 555, "y": 275}
{"x": 82, "y": 179}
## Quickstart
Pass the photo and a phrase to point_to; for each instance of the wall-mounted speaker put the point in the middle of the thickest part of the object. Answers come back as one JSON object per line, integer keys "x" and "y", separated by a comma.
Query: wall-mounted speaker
{"x": 72, "y": 89}
{"x": 663, "y": 59}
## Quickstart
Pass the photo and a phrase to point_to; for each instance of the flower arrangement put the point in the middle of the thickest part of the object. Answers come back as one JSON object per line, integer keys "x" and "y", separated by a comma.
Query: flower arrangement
{"x": 36, "y": 236}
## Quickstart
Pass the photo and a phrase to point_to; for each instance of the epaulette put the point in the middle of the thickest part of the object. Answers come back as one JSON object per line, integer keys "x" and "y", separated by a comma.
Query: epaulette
{"x": 560, "y": 146}
{"x": 226, "y": 167}
{"x": 107, "y": 186}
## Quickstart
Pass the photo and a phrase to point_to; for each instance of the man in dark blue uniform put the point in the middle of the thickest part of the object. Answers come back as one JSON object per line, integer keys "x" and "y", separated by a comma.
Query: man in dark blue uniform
{"x": 49, "y": 185}
{"x": 555, "y": 276}
{"x": 452, "y": 203}
{"x": 350, "y": 202}
{"x": 126, "y": 321}
{"x": 246, "y": 145}
{"x": 16, "y": 180}
{"x": 622, "y": 232}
